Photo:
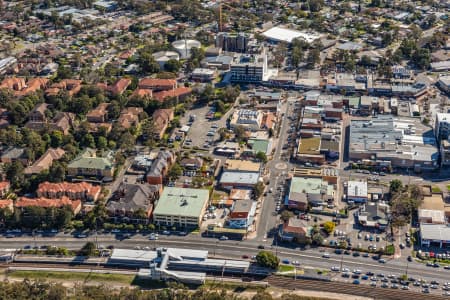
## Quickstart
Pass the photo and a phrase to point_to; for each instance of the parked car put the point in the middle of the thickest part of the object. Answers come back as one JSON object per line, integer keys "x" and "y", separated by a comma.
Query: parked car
{"x": 223, "y": 238}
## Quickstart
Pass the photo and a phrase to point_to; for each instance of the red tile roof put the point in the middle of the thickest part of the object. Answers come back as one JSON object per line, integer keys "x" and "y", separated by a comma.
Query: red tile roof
{"x": 45, "y": 202}
{"x": 149, "y": 83}
{"x": 178, "y": 92}
{"x": 82, "y": 190}
{"x": 6, "y": 203}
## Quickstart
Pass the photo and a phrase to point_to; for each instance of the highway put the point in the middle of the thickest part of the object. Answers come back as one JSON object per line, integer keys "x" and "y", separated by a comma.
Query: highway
{"x": 309, "y": 259}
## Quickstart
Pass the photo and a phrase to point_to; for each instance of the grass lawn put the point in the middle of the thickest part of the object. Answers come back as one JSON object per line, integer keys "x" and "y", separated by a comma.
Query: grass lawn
{"x": 436, "y": 189}
{"x": 448, "y": 188}
{"x": 73, "y": 276}
{"x": 286, "y": 268}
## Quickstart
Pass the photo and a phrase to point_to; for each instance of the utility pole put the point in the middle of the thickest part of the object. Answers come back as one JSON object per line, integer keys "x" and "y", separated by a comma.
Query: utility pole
{"x": 406, "y": 271}
{"x": 342, "y": 261}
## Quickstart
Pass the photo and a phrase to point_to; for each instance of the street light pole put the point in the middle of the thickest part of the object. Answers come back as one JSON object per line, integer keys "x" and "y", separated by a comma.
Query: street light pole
{"x": 342, "y": 261}
{"x": 406, "y": 271}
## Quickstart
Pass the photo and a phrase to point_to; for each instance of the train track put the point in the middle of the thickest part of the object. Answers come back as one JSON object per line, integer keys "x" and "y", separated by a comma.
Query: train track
{"x": 351, "y": 289}
{"x": 66, "y": 266}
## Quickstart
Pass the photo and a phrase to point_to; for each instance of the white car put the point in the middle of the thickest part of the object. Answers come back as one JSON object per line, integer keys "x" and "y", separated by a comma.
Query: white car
{"x": 335, "y": 269}
{"x": 326, "y": 255}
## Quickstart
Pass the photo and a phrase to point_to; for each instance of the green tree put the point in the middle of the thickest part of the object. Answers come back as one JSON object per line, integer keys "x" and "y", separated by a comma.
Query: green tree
{"x": 175, "y": 171}
{"x": 172, "y": 65}
{"x": 14, "y": 173}
{"x": 317, "y": 239}
{"x": 261, "y": 156}
{"x": 262, "y": 295}
{"x": 56, "y": 138}
{"x": 395, "y": 186}
{"x": 89, "y": 249}
{"x": 286, "y": 215}
{"x": 102, "y": 143}
{"x": 267, "y": 259}
{"x": 240, "y": 133}
{"x": 313, "y": 58}
{"x": 329, "y": 226}
{"x": 259, "y": 189}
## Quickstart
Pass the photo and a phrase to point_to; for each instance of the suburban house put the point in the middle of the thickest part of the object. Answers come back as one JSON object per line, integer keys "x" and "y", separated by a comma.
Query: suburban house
{"x": 295, "y": 229}
{"x": 69, "y": 86}
{"x": 160, "y": 166}
{"x": 47, "y": 203}
{"x": 88, "y": 164}
{"x": 119, "y": 86}
{"x": 192, "y": 163}
{"x": 7, "y": 203}
{"x": 38, "y": 121}
{"x": 161, "y": 120}
{"x": 45, "y": 161}
{"x": 130, "y": 199}
{"x": 157, "y": 85}
{"x": 22, "y": 88}
{"x": 180, "y": 94}
{"x": 142, "y": 93}
{"x": 129, "y": 117}
{"x": 74, "y": 191}
{"x": 13, "y": 154}
{"x": 98, "y": 114}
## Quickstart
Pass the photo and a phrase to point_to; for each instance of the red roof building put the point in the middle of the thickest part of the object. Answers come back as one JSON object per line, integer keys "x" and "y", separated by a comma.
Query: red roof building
{"x": 82, "y": 190}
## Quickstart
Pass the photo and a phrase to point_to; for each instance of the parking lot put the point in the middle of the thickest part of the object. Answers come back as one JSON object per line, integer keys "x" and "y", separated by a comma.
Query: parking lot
{"x": 198, "y": 135}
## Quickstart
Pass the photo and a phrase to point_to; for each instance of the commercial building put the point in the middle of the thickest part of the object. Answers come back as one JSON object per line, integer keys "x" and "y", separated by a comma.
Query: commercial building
{"x": 387, "y": 141}
{"x": 250, "y": 119}
{"x": 357, "y": 191}
{"x": 182, "y": 207}
{"x": 237, "y": 179}
{"x": 249, "y": 68}
{"x": 442, "y": 126}
{"x": 314, "y": 191}
{"x": 295, "y": 229}
{"x": 437, "y": 235}
{"x": 280, "y": 34}
{"x": 242, "y": 214}
{"x": 444, "y": 83}
{"x": 374, "y": 216}
{"x": 203, "y": 75}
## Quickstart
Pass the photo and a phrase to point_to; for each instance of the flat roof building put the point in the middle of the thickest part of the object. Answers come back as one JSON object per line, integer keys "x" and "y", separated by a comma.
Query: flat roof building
{"x": 183, "y": 207}
{"x": 357, "y": 191}
{"x": 280, "y": 34}
{"x": 435, "y": 235}
{"x": 397, "y": 141}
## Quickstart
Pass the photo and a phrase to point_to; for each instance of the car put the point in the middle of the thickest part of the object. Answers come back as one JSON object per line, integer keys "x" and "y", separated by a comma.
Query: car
{"x": 426, "y": 291}
{"x": 223, "y": 238}
{"x": 369, "y": 273}
{"x": 115, "y": 231}
{"x": 296, "y": 263}
{"x": 447, "y": 267}
{"x": 165, "y": 232}
{"x": 416, "y": 283}
{"x": 434, "y": 287}
{"x": 380, "y": 275}
{"x": 373, "y": 278}
{"x": 347, "y": 252}
{"x": 286, "y": 261}
{"x": 373, "y": 283}
{"x": 436, "y": 265}
{"x": 346, "y": 270}
{"x": 434, "y": 282}
{"x": 382, "y": 261}
{"x": 391, "y": 276}
{"x": 81, "y": 235}
{"x": 429, "y": 264}
{"x": 365, "y": 277}
{"x": 261, "y": 247}
{"x": 365, "y": 254}
{"x": 245, "y": 256}
{"x": 345, "y": 275}
{"x": 182, "y": 233}
{"x": 335, "y": 269}
{"x": 10, "y": 235}
{"x": 394, "y": 286}
{"x": 338, "y": 251}
{"x": 356, "y": 281}
{"x": 326, "y": 255}
{"x": 405, "y": 287}
{"x": 385, "y": 285}
{"x": 153, "y": 238}
{"x": 356, "y": 271}
{"x": 394, "y": 281}
{"x": 446, "y": 294}
{"x": 384, "y": 280}
{"x": 355, "y": 276}
{"x": 409, "y": 258}
{"x": 356, "y": 254}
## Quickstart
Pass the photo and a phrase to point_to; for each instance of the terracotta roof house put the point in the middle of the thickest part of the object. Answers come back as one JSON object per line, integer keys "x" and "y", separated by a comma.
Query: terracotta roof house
{"x": 119, "y": 86}
{"x": 161, "y": 119}
{"x": 38, "y": 121}
{"x": 157, "y": 84}
{"x": 192, "y": 163}
{"x": 98, "y": 114}
{"x": 295, "y": 230}
{"x": 179, "y": 93}
{"x": 160, "y": 167}
{"x": 130, "y": 117}
{"x": 130, "y": 198}
{"x": 71, "y": 86}
{"x": 13, "y": 83}
{"x": 4, "y": 188}
{"x": 45, "y": 161}
{"x": 46, "y": 203}
{"x": 143, "y": 93}
{"x": 90, "y": 165}
{"x": 81, "y": 190}
{"x": 7, "y": 203}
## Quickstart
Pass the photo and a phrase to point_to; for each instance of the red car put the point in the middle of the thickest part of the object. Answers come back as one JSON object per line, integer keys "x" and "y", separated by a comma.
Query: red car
{"x": 245, "y": 256}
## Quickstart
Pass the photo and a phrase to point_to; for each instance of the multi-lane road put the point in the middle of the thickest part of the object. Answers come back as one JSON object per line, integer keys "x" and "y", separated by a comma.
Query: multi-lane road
{"x": 311, "y": 258}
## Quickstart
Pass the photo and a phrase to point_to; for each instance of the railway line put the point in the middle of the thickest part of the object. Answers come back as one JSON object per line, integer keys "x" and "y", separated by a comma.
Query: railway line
{"x": 65, "y": 266}
{"x": 350, "y": 289}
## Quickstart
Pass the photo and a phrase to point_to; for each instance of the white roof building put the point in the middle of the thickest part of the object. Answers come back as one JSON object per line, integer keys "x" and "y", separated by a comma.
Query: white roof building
{"x": 280, "y": 34}
{"x": 357, "y": 191}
